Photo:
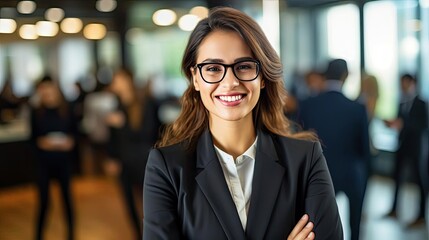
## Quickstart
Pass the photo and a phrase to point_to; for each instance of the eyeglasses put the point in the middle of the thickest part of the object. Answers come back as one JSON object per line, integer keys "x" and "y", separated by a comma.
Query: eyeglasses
{"x": 245, "y": 70}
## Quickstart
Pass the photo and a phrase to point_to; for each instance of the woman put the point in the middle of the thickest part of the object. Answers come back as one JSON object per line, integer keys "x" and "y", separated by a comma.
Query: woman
{"x": 228, "y": 167}
{"x": 369, "y": 94}
{"x": 134, "y": 131}
{"x": 53, "y": 131}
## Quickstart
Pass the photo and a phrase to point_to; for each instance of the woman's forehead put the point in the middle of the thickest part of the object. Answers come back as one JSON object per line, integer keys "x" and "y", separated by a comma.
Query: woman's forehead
{"x": 224, "y": 45}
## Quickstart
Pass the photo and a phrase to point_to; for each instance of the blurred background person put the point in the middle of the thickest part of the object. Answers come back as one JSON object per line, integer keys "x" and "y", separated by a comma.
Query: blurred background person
{"x": 97, "y": 106}
{"x": 342, "y": 126}
{"x": 53, "y": 132}
{"x": 134, "y": 130}
{"x": 315, "y": 82}
{"x": 369, "y": 94}
{"x": 10, "y": 104}
{"x": 411, "y": 123}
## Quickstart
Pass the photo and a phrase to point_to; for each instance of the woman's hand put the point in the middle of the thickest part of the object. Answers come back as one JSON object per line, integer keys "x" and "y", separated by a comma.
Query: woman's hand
{"x": 302, "y": 230}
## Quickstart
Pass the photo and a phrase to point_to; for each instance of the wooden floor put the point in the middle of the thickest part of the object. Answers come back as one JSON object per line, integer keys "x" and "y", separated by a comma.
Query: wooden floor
{"x": 101, "y": 215}
{"x": 378, "y": 201}
{"x": 99, "y": 212}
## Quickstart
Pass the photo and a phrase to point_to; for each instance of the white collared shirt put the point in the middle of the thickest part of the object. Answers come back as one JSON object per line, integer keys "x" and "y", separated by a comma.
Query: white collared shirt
{"x": 239, "y": 177}
{"x": 333, "y": 85}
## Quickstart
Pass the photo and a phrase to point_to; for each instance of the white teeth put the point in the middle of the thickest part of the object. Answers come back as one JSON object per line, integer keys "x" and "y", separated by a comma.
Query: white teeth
{"x": 230, "y": 98}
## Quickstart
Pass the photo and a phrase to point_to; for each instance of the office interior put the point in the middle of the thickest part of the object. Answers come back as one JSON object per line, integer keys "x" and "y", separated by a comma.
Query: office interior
{"x": 76, "y": 41}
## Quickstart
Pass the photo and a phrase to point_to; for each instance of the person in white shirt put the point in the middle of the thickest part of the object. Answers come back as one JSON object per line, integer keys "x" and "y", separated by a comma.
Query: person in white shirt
{"x": 229, "y": 166}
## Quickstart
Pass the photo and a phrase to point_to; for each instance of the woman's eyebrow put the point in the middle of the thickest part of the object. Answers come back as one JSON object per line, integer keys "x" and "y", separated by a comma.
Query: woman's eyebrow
{"x": 213, "y": 60}
{"x": 243, "y": 59}
{"x": 218, "y": 60}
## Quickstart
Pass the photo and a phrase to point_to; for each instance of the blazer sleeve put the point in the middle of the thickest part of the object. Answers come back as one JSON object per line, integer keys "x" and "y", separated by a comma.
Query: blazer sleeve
{"x": 160, "y": 219}
{"x": 320, "y": 202}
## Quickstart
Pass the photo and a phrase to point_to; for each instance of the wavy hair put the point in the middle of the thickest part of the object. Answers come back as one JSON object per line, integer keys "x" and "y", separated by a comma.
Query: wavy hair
{"x": 268, "y": 113}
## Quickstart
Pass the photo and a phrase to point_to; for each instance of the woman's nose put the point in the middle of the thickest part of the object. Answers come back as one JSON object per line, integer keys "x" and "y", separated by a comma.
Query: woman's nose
{"x": 230, "y": 80}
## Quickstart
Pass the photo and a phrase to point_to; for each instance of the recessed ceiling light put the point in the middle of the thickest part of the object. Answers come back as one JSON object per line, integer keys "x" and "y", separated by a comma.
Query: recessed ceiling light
{"x": 105, "y": 5}
{"x": 94, "y": 31}
{"x": 54, "y": 14}
{"x": 71, "y": 25}
{"x": 199, "y": 11}
{"x": 26, "y": 7}
{"x": 188, "y": 22}
{"x": 7, "y": 25}
{"x": 46, "y": 28}
{"x": 164, "y": 17}
{"x": 28, "y": 31}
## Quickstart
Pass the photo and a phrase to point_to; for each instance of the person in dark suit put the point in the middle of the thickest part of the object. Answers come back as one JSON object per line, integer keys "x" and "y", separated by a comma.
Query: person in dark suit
{"x": 342, "y": 126}
{"x": 228, "y": 167}
{"x": 411, "y": 123}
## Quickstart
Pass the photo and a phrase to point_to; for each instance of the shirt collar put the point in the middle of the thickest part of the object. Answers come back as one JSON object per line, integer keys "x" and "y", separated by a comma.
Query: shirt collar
{"x": 250, "y": 152}
{"x": 333, "y": 85}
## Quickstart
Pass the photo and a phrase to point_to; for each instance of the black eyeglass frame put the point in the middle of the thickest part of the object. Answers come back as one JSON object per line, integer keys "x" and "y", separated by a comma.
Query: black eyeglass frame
{"x": 226, "y": 66}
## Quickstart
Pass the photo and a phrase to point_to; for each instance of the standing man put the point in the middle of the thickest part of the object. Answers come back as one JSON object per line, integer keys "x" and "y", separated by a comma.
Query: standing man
{"x": 342, "y": 126}
{"x": 411, "y": 122}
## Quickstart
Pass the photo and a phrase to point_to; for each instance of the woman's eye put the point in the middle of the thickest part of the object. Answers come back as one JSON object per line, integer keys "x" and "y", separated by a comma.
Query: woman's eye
{"x": 212, "y": 68}
{"x": 244, "y": 67}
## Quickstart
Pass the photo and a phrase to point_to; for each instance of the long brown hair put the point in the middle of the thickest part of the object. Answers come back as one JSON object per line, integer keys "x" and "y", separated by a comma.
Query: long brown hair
{"x": 268, "y": 112}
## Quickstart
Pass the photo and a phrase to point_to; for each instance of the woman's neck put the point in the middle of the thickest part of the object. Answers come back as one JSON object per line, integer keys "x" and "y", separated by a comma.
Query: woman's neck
{"x": 233, "y": 137}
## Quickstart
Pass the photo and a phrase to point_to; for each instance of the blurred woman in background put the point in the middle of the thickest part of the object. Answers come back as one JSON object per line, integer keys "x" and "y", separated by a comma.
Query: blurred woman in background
{"x": 369, "y": 94}
{"x": 134, "y": 130}
{"x": 53, "y": 132}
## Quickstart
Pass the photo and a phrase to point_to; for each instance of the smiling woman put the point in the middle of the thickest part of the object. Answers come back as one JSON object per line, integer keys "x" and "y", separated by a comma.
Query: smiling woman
{"x": 229, "y": 166}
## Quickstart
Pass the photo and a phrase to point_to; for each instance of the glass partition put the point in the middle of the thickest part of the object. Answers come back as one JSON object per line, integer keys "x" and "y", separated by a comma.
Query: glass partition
{"x": 342, "y": 39}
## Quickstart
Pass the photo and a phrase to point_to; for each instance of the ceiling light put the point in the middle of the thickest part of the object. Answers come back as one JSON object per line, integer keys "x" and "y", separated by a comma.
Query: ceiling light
{"x": 199, "y": 11}
{"x": 71, "y": 25}
{"x": 164, "y": 17}
{"x": 28, "y": 31}
{"x": 26, "y": 7}
{"x": 54, "y": 14}
{"x": 94, "y": 31}
{"x": 105, "y": 5}
{"x": 46, "y": 28}
{"x": 188, "y": 22}
{"x": 7, "y": 25}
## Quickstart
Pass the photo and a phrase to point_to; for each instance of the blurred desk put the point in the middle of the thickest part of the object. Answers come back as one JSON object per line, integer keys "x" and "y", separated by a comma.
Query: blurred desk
{"x": 17, "y": 130}
{"x": 384, "y": 145}
{"x": 383, "y": 138}
{"x": 16, "y": 154}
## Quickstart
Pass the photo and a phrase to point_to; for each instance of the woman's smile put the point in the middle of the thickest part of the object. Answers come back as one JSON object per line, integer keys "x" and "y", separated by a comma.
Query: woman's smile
{"x": 230, "y": 99}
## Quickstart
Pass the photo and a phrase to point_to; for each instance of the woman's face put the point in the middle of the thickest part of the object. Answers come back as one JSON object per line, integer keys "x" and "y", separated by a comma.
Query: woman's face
{"x": 122, "y": 86}
{"x": 230, "y": 99}
{"x": 49, "y": 94}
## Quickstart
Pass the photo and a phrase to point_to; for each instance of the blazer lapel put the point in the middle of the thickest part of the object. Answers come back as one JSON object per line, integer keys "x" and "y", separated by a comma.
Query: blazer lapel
{"x": 212, "y": 183}
{"x": 267, "y": 179}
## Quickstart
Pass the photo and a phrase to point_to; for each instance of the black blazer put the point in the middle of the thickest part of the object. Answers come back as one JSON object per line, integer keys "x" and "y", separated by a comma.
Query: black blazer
{"x": 186, "y": 195}
{"x": 342, "y": 126}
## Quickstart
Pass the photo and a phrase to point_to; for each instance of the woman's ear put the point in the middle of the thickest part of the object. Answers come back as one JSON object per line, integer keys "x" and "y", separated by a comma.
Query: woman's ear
{"x": 262, "y": 83}
{"x": 194, "y": 79}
